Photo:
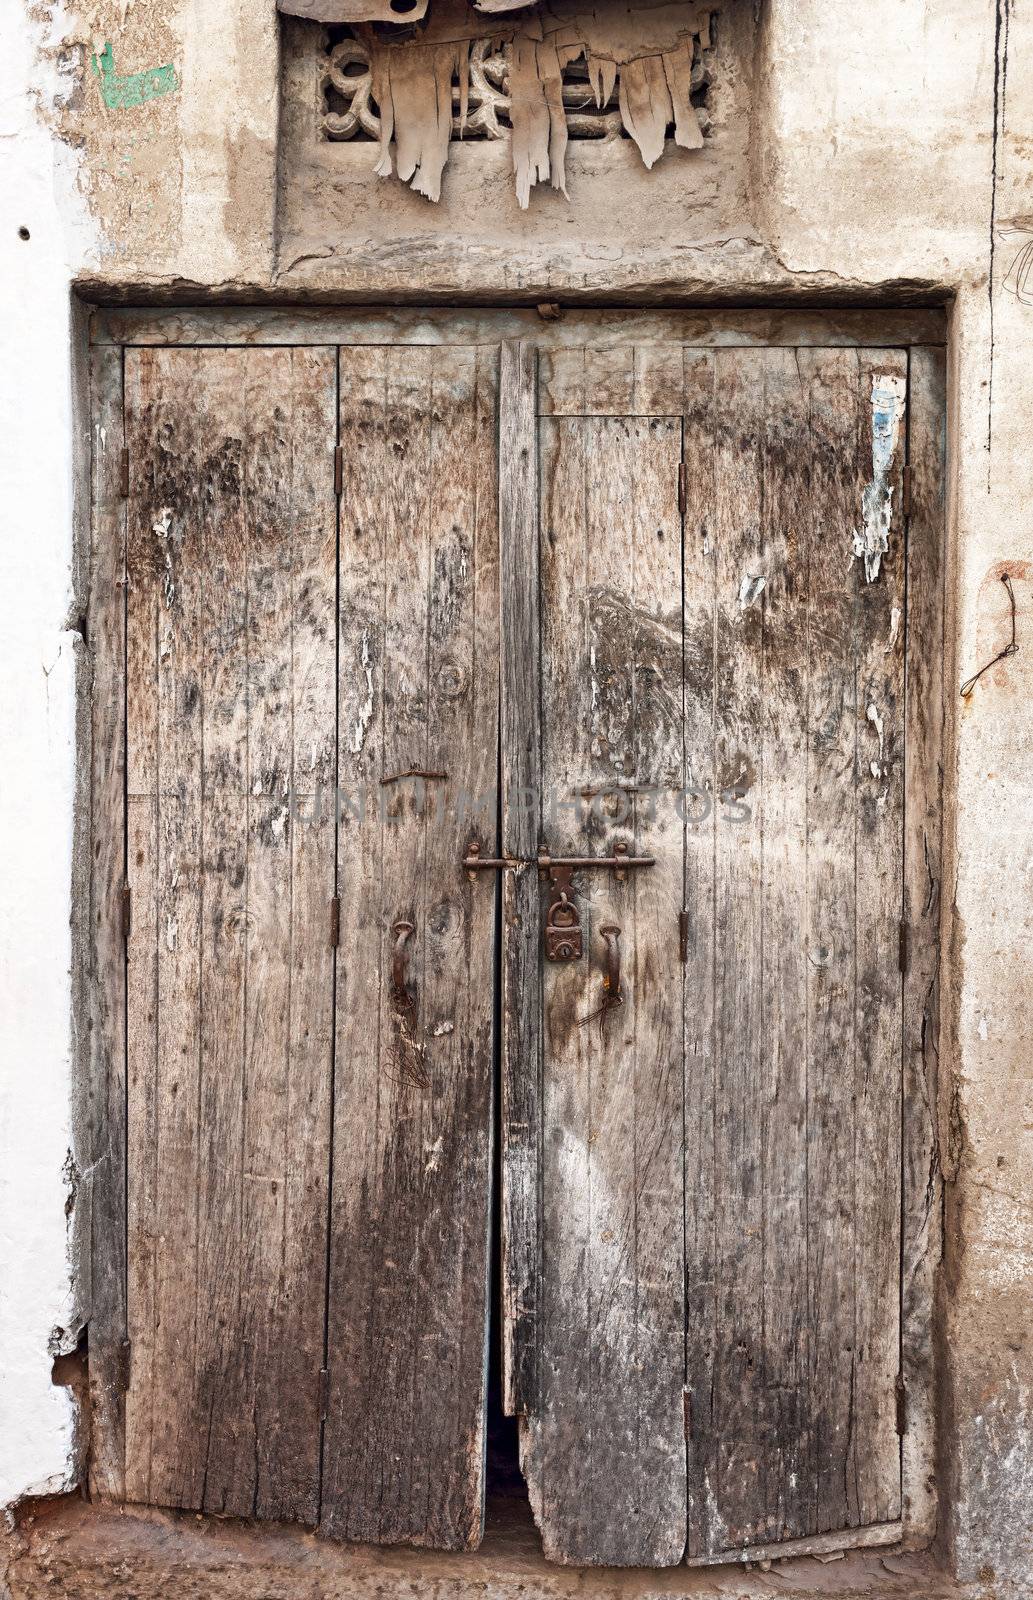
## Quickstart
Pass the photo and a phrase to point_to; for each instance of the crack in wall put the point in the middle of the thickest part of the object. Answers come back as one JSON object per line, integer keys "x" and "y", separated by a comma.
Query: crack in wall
{"x": 1002, "y": 23}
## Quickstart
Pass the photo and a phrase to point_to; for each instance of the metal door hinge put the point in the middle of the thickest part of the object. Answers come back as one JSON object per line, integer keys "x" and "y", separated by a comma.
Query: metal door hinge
{"x": 335, "y": 921}
{"x": 683, "y": 487}
{"x": 324, "y": 1392}
{"x": 127, "y": 910}
{"x": 904, "y": 951}
{"x": 125, "y": 1365}
{"x": 686, "y": 1397}
{"x": 905, "y": 492}
{"x": 123, "y": 474}
{"x": 901, "y": 1395}
{"x": 683, "y": 937}
{"x": 338, "y": 470}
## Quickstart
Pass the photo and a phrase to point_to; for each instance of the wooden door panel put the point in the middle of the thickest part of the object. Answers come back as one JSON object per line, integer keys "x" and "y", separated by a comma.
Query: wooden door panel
{"x": 778, "y": 1210}
{"x": 604, "y": 1451}
{"x": 403, "y": 1454}
{"x": 230, "y": 684}
{"x": 792, "y": 1329}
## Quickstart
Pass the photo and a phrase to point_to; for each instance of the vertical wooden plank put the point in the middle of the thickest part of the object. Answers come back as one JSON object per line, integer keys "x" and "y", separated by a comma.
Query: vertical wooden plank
{"x": 419, "y": 686}
{"x": 654, "y": 999}
{"x": 223, "y": 1357}
{"x": 701, "y": 1061}
{"x": 290, "y": 755}
{"x": 364, "y": 542}
{"x": 459, "y": 938}
{"x": 801, "y": 1360}
{"x": 165, "y": 563}
{"x": 782, "y": 1107}
{"x": 831, "y": 931}
{"x": 605, "y": 1452}
{"x": 231, "y": 593}
{"x": 556, "y": 1455}
{"x": 292, "y": 425}
{"x": 520, "y": 779}
{"x": 105, "y": 1065}
{"x": 148, "y": 473}
{"x": 921, "y": 1247}
{"x": 879, "y": 804}
{"x": 376, "y": 1435}
{"x": 739, "y": 778}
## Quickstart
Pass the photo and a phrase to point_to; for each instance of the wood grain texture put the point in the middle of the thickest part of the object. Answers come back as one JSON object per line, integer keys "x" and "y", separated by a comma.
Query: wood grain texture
{"x": 739, "y": 1423}
{"x": 792, "y": 1227}
{"x": 452, "y": 325}
{"x": 419, "y": 661}
{"x": 701, "y": 1188}
{"x": 701, "y": 1065}
{"x": 922, "y": 1242}
{"x": 782, "y": 1108}
{"x": 103, "y": 1187}
{"x": 521, "y": 810}
{"x": 230, "y": 662}
{"x": 830, "y": 935}
{"x": 604, "y": 1451}
{"x": 879, "y": 782}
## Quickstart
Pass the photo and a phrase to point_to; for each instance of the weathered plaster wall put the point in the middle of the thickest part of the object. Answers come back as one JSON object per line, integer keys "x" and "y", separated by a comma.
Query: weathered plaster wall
{"x": 891, "y": 147}
{"x": 37, "y": 774}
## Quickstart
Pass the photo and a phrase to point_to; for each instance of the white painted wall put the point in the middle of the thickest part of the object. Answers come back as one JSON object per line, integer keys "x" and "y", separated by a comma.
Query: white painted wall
{"x": 37, "y": 673}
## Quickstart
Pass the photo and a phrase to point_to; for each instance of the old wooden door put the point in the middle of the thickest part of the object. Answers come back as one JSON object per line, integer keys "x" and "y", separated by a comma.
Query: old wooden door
{"x": 309, "y": 999}
{"x": 648, "y": 600}
{"x": 707, "y": 614}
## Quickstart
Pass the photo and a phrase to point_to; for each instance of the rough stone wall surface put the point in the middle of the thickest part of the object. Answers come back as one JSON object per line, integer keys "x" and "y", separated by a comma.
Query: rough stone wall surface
{"x": 889, "y": 154}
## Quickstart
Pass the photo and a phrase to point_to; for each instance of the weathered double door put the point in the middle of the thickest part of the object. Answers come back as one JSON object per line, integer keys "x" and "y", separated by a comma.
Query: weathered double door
{"x": 393, "y": 607}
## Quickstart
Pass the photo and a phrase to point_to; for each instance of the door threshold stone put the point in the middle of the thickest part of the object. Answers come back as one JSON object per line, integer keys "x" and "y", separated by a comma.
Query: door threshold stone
{"x": 66, "y": 1549}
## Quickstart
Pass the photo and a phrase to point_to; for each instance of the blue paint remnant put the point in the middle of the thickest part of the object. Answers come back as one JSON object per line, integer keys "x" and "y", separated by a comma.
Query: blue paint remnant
{"x": 120, "y": 91}
{"x": 872, "y": 539}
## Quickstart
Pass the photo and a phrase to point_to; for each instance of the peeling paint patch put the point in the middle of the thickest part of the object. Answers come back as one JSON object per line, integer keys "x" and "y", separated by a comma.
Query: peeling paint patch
{"x": 162, "y": 530}
{"x": 872, "y": 539}
{"x": 876, "y": 721}
{"x": 120, "y": 91}
{"x": 358, "y": 738}
{"x": 750, "y": 590}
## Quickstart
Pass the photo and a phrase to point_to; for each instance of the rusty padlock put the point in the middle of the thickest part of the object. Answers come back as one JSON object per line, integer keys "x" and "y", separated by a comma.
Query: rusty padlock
{"x": 562, "y": 930}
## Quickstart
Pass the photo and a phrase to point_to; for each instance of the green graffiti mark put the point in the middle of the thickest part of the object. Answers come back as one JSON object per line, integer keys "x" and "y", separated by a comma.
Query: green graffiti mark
{"x": 119, "y": 91}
